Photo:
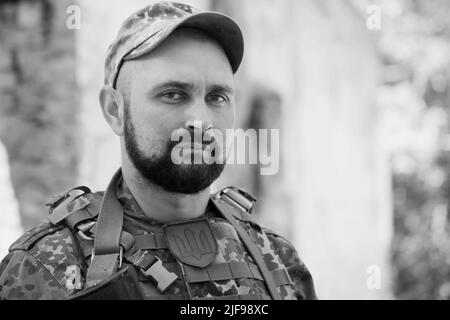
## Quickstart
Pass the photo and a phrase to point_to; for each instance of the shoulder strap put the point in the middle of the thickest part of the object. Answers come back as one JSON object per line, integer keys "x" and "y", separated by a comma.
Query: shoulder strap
{"x": 106, "y": 254}
{"x": 227, "y": 212}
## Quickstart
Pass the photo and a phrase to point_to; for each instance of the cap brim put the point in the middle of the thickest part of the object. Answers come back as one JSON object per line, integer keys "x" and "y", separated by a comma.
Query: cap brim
{"x": 220, "y": 27}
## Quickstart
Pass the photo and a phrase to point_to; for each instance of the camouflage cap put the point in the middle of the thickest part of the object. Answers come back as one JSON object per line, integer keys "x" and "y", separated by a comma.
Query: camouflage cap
{"x": 147, "y": 28}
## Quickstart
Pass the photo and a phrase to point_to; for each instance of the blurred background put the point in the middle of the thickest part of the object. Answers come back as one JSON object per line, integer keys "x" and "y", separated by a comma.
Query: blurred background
{"x": 360, "y": 91}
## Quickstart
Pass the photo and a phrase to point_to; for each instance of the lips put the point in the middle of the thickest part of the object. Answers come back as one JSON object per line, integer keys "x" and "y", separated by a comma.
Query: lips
{"x": 193, "y": 145}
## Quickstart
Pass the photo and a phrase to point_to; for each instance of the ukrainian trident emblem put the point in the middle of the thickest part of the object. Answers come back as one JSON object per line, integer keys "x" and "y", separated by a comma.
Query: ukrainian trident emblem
{"x": 192, "y": 242}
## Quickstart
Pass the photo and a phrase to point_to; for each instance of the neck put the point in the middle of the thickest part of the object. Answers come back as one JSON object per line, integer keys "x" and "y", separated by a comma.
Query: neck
{"x": 163, "y": 206}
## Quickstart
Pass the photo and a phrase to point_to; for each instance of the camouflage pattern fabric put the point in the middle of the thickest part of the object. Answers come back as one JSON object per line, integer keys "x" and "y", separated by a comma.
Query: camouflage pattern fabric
{"x": 147, "y": 28}
{"x": 48, "y": 262}
{"x": 303, "y": 285}
{"x": 41, "y": 270}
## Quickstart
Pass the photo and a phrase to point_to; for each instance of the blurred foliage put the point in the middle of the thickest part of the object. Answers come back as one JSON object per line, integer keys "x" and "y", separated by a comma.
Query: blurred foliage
{"x": 414, "y": 44}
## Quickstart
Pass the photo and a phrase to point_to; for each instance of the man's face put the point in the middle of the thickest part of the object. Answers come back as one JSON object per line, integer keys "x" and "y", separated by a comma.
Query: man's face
{"x": 187, "y": 78}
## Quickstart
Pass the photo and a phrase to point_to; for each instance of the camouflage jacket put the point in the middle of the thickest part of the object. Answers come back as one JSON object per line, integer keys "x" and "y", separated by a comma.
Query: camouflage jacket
{"x": 51, "y": 261}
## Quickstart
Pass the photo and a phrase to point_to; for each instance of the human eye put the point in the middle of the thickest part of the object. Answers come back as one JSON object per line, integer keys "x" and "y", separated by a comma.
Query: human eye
{"x": 218, "y": 98}
{"x": 173, "y": 96}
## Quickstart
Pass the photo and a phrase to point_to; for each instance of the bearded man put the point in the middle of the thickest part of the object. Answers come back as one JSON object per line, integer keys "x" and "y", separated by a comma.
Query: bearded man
{"x": 157, "y": 232}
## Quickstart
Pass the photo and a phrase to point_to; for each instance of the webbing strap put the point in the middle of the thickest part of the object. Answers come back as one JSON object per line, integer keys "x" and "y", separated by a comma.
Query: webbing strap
{"x": 222, "y": 271}
{"x": 254, "y": 251}
{"x": 126, "y": 242}
{"x": 61, "y": 212}
{"x": 151, "y": 241}
{"x": 101, "y": 267}
{"x": 238, "y": 297}
{"x": 86, "y": 213}
{"x": 87, "y": 248}
{"x": 281, "y": 277}
{"x": 233, "y": 270}
{"x": 181, "y": 296}
{"x": 107, "y": 237}
{"x": 76, "y": 217}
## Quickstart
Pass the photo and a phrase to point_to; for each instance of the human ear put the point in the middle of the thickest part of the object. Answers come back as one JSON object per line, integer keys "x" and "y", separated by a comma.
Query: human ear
{"x": 112, "y": 104}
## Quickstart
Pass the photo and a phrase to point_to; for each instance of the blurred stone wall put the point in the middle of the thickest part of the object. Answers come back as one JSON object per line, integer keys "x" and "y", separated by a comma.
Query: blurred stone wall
{"x": 38, "y": 101}
{"x": 332, "y": 194}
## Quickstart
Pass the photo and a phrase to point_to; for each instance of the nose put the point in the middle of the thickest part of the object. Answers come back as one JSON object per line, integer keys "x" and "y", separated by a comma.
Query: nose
{"x": 198, "y": 125}
{"x": 198, "y": 117}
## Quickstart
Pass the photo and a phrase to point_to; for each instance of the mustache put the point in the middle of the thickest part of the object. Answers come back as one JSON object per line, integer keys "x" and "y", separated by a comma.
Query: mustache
{"x": 193, "y": 141}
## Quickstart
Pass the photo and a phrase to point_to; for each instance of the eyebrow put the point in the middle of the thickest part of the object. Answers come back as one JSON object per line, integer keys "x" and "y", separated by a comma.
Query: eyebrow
{"x": 221, "y": 88}
{"x": 187, "y": 86}
{"x": 173, "y": 84}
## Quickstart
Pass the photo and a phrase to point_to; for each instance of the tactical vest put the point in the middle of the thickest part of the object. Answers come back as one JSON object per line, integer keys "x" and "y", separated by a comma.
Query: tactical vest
{"x": 123, "y": 266}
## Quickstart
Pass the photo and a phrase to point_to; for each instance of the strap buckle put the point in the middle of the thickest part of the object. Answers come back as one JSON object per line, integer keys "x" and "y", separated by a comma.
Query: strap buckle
{"x": 237, "y": 198}
{"x": 86, "y": 227}
{"x": 160, "y": 275}
{"x": 58, "y": 199}
{"x": 150, "y": 266}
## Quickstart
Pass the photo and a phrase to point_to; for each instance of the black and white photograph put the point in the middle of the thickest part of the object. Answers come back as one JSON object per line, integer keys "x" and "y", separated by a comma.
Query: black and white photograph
{"x": 215, "y": 150}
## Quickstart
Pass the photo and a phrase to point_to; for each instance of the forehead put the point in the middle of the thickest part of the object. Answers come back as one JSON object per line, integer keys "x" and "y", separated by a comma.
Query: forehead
{"x": 187, "y": 55}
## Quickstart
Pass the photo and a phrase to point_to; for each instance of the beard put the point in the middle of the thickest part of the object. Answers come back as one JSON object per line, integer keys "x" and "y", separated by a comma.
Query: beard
{"x": 162, "y": 172}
